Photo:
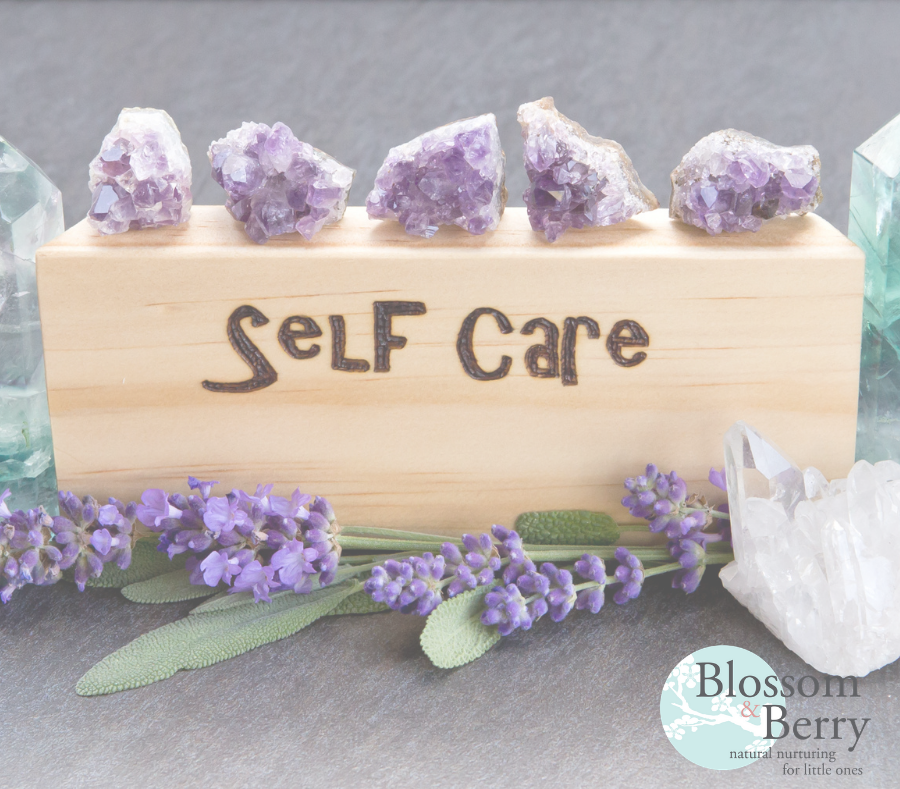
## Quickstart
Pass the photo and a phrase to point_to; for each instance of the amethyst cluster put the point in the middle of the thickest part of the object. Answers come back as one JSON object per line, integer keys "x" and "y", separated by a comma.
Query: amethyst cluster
{"x": 690, "y": 523}
{"x": 260, "y": 543}
{"x": 277, "y": 184}
{"x": 577, "y": 180}
{"x": 733, "y": 181}
{"x": 142, "y": 176}
{"x": 452, "y": 175}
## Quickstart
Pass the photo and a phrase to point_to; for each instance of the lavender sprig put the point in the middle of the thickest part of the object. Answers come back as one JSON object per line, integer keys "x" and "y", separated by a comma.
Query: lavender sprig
{"x": 410, "y": 586}
{"x": 418, "y": 584}
{"x": 663, "y": 500}
{"x": 629, "y": 573}
{"x": 258, "y": 542}
{"x": 26, "y": 555}
{"x": 474, "y": 568}
{"x": 92, "y": 535}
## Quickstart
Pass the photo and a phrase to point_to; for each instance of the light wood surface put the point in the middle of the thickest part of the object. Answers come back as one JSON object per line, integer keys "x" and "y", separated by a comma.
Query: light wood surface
{"x": 763, "y": 327}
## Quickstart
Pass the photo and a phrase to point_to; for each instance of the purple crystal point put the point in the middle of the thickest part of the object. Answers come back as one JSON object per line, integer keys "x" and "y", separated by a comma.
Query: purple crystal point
{"x": 577, "y": 180}
{"x": 142, "y": 175}
{"x": 276, "y": 183}
{"x": 733, "y": 181}
{"x": 452, "y": 175}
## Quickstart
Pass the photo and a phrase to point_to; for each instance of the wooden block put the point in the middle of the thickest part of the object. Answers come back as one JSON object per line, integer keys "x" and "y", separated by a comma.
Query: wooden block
{"x": 763, "y": 327}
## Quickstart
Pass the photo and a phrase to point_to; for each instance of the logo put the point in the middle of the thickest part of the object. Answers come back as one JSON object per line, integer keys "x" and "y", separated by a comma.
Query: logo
{"x": 717, "y": 706}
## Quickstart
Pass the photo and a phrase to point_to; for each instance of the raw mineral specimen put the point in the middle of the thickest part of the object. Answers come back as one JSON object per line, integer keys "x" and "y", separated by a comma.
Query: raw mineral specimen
{"x": 31, "y": 214}
{"x": 733, "y": 181}
{"x": 576, "y": 180}
{"x": 816, "y": 562}
{"x": 875, "y": 228}
{"x": 276, "y": 183}
{"x": 452, "y": 175}
{"x": 142, "y": 175}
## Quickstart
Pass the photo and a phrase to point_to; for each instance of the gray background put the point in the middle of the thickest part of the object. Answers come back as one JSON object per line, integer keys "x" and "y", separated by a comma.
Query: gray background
{"x": 352, "y": 701}
{"x": 355, "y": 78}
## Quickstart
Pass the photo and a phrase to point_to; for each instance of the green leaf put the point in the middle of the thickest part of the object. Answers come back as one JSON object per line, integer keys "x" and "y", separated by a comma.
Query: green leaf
{"x": 146, "y": 562}
{"x": 454, "y": 635}
{"x": 204, "y": 639}
{"x": 169, "y": 588}
{"x": 224, "y": 601}
{"x": 358, "y": 603}
{"x": 567, "y": 527}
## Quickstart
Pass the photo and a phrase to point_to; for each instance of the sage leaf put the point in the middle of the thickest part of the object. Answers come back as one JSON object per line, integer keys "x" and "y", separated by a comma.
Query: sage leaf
{"x": 169, "y": 588}
{"x": 224, "y": 601}
{"x": 358, "y": 603}
{"x": 146, "y": 562}
{"x": 204, "y": 639}
{"x": 567, "y": 527}
{"x": 454, "y": 635}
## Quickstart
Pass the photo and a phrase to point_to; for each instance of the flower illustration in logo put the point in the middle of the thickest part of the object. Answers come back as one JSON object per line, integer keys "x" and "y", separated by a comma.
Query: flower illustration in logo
{"x": 707, "y": 717}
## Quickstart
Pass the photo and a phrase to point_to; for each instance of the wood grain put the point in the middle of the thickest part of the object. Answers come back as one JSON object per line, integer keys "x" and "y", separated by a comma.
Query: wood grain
{"x": 762, "y": 327}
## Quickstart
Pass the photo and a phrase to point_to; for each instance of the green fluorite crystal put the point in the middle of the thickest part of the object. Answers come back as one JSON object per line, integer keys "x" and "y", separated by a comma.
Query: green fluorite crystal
{"x": 30, "y": 215}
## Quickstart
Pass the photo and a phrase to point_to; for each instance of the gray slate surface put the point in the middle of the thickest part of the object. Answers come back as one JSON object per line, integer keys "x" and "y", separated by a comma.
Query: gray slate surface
{"x": 352, "y": 701}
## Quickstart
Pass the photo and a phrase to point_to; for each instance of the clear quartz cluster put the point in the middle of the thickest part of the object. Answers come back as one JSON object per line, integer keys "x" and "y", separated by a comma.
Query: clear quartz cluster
{"x": 31, "y": 214}
{"x": 817, "y": 562}
{"x": 452, "y": 175}
{"x": 277, "y": 184}
{"x": 875, "y": 228}
{"x": 576, "y": 180}
{"x": 142, "y": 176}
{"x": 733, "y": 181}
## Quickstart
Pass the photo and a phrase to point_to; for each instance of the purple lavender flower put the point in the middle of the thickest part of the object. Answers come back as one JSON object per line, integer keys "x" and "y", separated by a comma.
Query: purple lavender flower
{"x": 511, "y": 548}
{"x": 591, "y": 568}
{"x": 536, "y": 585}
{"x": 717, "y": 477}
{"x": 295, "y": 547}
{"x": 257, "y": 579}
{"x": 475, "y": 568}
{"x": 630, "y": 573}
{"x": 691, "y": 555}
{"x": 661, "y": 499}
{"x": 222, "y": 514}
{"x": 561, "y": 597}
{"x": 92, "y": 535}
{"x": 203, "y": 487}
{"x": 117, "y": 525}
{"x": 321, "y": 530}
{"x": 410, "y": 586}
{"x": 506, "y": 608}
{"x": 294, "y": 564}
{"x": 155, "y": 508}
{"x": 26, "y": 555}
{"x": 293, "y": 507}
{"x": 219, "y": 567}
